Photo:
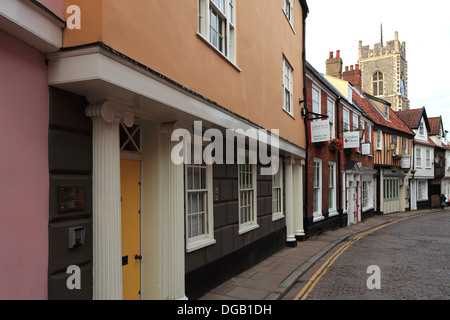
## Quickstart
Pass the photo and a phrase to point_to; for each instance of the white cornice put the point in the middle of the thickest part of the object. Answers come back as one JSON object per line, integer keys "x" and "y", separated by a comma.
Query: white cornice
{"x": 75, "y": 69}
{"x": 31, "y": 24}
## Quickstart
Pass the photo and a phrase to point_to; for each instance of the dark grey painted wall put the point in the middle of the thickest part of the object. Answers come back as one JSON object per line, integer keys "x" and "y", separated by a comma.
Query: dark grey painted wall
{"x": 70, "y": 164}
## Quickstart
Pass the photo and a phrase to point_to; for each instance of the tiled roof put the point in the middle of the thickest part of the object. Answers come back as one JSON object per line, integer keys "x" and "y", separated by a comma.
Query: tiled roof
{"x": 411, "y": 117}
{"x": 430, "y": 143}
{"x": 373, "y": 113}
{"x": 434, "y": 125}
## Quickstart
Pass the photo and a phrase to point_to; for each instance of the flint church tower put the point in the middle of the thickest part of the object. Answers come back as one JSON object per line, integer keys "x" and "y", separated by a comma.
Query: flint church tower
{"x": 384, "y": 72}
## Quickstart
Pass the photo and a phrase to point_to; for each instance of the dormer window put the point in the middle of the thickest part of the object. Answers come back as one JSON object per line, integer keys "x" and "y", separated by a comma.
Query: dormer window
{"x": 386, "y": 112}
{"x": 422, "y": 129}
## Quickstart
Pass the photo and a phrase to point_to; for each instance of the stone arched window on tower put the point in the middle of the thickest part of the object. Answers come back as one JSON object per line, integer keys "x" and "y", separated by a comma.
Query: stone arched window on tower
{"x": 378, "y": 79}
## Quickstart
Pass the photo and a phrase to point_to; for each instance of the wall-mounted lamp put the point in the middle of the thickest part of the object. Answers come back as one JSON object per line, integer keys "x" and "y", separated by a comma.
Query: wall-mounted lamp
{"x": 437, "y": 160}
{"x": 361, "y": 132}
{"x": 392, "y": 146}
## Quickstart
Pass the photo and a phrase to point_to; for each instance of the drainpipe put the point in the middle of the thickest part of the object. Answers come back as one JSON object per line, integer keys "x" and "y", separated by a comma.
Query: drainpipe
{"x": 378, "y": 191}
{"x": 305, "y": 185}
{"x": 305, "y": 106}
{"x": 338, "y": 171}
{"x": 413, "y": 155}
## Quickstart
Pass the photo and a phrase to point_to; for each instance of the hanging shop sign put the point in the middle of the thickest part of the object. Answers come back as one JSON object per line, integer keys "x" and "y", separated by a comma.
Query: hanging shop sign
{"x": 319, "y": 131}
{"x": 365, "y": 149}
{"x": 406, "y": 162}
{"x": 351, "y": 139}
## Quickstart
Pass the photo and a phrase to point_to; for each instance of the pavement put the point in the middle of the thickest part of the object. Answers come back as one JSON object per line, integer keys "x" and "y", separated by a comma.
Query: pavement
{"x": 272, "y": 278}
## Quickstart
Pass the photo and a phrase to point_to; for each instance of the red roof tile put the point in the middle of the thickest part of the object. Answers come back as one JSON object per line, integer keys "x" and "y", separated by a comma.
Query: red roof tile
{"x": 373, "y": 113}
{"x": 434, "y": 125}
{"x": 410, "y": 117}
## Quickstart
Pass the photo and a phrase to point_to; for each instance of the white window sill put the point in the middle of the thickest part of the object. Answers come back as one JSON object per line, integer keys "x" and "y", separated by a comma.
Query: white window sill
{"x": 318, "y": 217}
{"x": 332, "y": 213}
{"x": 277, "y": 216}
{"x": 200, "y": 36}
{"x": 290, "y": 114}
{"x": 199, "y": 244}
{"x": 290, "y": 24}
{"x": 244, "y": 228}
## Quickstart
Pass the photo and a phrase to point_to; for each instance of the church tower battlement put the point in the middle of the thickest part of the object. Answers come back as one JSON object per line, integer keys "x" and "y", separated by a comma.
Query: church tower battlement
{"x": 384, "y": 72}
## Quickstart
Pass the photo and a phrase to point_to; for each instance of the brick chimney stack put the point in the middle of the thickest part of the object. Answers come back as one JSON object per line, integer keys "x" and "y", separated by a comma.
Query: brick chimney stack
{"x": 353, "y": 76}
{"x": 334, "y": 65}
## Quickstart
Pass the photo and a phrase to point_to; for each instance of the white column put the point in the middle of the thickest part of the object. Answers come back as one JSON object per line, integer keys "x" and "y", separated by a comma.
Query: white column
{"x": 172, "y": 220}
{"x": 299, "y": 232}
{"x": 107, "y": 237}
{"x": 290, "y": 237}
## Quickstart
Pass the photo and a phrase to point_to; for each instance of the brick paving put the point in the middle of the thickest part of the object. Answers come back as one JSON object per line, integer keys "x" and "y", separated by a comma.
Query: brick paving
{"x": 272, "y": 278}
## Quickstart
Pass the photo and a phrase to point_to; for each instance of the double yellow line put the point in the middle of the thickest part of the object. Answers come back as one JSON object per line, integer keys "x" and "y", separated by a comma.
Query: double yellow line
{"x": 303, "y": 294}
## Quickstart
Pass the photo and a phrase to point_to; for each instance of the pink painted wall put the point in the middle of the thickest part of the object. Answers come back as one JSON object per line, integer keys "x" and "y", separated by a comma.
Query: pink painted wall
{"x": 56, "y": 6}
{"x": 24, "y": 177}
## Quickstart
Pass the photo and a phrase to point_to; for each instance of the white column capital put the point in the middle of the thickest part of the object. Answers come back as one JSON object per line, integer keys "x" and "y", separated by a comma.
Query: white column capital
{"x": 290, "y": 160}
{"x": 110, "y": 112}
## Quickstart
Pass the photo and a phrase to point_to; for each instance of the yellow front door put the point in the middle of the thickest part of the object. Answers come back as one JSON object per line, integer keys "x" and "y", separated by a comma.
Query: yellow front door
{"x": 130, "y": 177}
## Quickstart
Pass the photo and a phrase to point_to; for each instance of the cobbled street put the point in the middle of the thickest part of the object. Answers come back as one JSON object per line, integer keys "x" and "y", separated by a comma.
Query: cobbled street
{"x": 413, "y": 256}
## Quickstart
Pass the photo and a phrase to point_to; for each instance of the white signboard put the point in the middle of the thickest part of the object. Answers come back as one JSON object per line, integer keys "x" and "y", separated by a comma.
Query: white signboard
{"x": 351, "y": 139}
{"x": 406, "y": 162}
{"x": 365, "y": 149}
{"x": 319, "y": 131}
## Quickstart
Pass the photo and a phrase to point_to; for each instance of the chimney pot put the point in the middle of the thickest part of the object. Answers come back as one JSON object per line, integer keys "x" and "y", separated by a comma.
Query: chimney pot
{"x": 346, "y": 69}
{"x": 351, "y": 68}
{"x": 331, "y": 55}
{"x": 338, "y": 53}
{"x": 357, "y": 67}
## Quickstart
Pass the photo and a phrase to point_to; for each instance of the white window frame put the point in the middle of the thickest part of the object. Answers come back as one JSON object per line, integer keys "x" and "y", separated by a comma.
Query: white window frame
{"x": 247, "y": 193}
{"x": 288, "y": 87}
{"x": 206, "y": 237}
{"x": 422, "y": 195}
{"x": 225, "y": 10}
{"x": 331, "y": 117}
{"x": 316, "y": 104}
{"x": 332, "y": 189}
{"x": 317, "y": 187}
{"x": 422, "y": 129}
{"x": 367, "y": 195}
{"x": 346, "y": 119}
{"x": 369, "y": 133}
{"x": 355, "y": 122}
{"x": 428, "y": 159}
{"x": 404, "y": 146}
{"x": 277, "y": 195}
{"x": 288, "y": 9}
{"x": 380, "y": 140}
{"x": 418, "y": 157}
{"x": 395, "y": 142}
{"x": 363, "y": 125}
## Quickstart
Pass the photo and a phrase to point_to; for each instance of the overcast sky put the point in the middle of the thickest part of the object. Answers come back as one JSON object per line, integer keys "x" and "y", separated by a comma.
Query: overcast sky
{"x": 424, "y": 26}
